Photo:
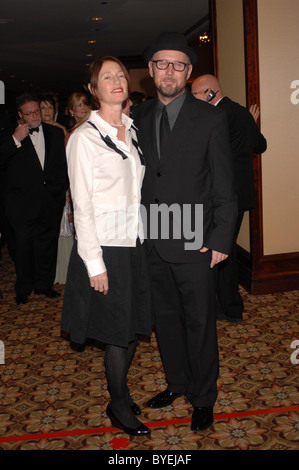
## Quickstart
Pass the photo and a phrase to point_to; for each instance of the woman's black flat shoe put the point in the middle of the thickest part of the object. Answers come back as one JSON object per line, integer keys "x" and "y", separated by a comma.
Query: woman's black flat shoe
{"x": 141, "y": 430}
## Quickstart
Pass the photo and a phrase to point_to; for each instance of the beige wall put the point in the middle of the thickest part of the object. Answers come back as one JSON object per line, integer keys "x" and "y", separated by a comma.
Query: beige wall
{"x": 279, "y": 67}
{"x": 230, "y": 42}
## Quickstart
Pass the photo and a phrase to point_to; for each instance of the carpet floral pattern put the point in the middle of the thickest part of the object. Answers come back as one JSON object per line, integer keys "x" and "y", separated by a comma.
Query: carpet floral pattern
{"x": 52, "y": 398}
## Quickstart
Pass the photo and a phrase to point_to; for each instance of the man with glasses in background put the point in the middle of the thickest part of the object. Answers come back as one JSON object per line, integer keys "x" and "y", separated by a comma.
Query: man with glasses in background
{"x": 188, "y": 164}
{"x": 33, "y": 156}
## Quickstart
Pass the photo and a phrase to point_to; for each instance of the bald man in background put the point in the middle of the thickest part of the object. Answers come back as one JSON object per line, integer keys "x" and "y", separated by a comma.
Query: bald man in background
{"x": 246, "y": 140}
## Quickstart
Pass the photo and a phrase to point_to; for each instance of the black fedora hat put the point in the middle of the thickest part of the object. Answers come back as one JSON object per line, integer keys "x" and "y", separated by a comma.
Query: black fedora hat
{"x": 171, "y": 41}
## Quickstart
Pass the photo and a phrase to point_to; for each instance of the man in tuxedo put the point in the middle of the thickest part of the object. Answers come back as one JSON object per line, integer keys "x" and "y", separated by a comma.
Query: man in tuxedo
{"x": 246, "y": 140}
{"x": 33, "y": 156}
{"x": 189, "y": 170}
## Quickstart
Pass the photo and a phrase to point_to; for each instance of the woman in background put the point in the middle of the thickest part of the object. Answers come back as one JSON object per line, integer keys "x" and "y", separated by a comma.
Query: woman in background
{"x": 78, "y": 107}
{"x": 47, "y": 110}
{"x": 107, "y": 291}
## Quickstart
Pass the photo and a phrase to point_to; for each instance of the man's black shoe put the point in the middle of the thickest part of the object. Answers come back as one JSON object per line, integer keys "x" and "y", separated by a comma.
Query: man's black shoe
{"x": 136, "y": 410}
{"x": 163, "y": 399}
{"x": 51, "y": 293}
{"x": 21, "y": 299}
{"x": 222, "y": 316}
{"x": 202, "y": 418}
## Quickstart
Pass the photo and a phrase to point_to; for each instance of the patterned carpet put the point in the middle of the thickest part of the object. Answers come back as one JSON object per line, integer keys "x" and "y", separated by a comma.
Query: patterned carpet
{"x": 52, "y": 398}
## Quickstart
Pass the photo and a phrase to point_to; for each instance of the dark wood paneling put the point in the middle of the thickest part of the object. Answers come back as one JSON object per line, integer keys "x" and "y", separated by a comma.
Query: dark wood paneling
{"x": 274, "y": 273}
{"x": 213, "y": 22}
{"x": 253, "y": 97}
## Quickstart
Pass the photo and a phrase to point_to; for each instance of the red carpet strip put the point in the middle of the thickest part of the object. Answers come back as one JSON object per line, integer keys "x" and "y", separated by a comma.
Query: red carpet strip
{"x": 81, "y": 432}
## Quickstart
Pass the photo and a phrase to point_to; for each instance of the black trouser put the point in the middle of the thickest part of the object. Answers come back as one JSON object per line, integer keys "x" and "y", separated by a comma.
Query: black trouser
{"x": 230, "y": 300}
{"x": 36, "y": 250}
{"x": 185, "y": 319}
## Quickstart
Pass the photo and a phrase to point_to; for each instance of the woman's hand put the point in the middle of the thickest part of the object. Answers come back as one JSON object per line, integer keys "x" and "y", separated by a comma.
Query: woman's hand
{"x": 100, "y": 283}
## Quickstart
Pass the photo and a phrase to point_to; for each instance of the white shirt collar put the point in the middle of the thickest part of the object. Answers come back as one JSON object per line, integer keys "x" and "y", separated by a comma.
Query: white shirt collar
{"x": 218, "y": 102}
{"x": 105, "y": 126}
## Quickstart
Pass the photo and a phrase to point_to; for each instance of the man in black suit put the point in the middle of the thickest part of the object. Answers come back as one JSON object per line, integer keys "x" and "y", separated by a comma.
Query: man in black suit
{"x": 33, "y": 156}
{"x": 188, "y": 172}
{"x": 246, "y": 140}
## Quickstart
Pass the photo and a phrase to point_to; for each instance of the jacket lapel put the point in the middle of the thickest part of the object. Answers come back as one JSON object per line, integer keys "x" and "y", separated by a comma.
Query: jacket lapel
{"x": 149, "y": 134}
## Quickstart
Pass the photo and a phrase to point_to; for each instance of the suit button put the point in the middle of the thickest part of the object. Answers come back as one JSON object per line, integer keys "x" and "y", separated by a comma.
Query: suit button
{"x": 158, "y": 174}
{"x": 157, "y": 201}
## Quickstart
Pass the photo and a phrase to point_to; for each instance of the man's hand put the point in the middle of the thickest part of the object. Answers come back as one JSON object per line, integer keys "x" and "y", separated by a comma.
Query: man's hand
{"x": 21, "y": 132}
{"x": 100, "y": 283}
{"x": 216, "y": 256}
{"x": 255, "y": 111}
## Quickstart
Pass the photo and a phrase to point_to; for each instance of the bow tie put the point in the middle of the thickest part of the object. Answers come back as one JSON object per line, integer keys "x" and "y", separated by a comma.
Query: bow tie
{"x": 33, "y": 129}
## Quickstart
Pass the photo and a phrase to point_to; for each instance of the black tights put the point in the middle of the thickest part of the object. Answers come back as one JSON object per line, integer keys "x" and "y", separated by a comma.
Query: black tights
{"x": 117, "y": 364}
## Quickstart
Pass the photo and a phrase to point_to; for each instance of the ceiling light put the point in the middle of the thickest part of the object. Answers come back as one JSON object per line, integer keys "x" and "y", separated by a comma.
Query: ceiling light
{"x": 204, "y": 38}
{"x": 89, "y": 55}
{"x": 96, "y": 19}
{"x": 92, "y": 42}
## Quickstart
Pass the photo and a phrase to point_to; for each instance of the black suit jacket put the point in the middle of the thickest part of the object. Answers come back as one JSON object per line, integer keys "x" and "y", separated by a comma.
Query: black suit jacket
{"x": 246, "y": 140}
{"x": 195, "y": 169}
{"x": 27, "y": 185}
{"x": 64, "y": 120}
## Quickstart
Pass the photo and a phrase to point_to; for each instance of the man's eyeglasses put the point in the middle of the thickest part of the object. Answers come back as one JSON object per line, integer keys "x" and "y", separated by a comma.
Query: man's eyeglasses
{"x": 31, "y": 113}
{"x": 163, "y": 65}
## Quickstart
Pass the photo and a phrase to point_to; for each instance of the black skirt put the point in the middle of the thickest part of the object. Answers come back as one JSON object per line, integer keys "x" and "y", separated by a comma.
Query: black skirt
{"x": 115, "y": 318}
